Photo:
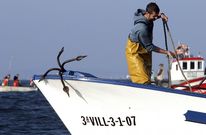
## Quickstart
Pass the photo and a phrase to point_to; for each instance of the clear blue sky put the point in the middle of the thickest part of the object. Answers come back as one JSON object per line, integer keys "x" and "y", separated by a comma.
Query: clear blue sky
{"x": 33, "y": 31}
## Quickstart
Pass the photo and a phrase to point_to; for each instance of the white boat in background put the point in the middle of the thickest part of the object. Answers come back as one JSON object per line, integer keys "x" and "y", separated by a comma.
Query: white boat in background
{"x": 16, "y": 89}
{"x": 88, "y": 105}
{"x": 193, "y": 68}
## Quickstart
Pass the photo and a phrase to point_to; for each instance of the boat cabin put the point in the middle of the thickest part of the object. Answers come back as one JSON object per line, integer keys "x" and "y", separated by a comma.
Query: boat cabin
{"x": 193, "y": 67}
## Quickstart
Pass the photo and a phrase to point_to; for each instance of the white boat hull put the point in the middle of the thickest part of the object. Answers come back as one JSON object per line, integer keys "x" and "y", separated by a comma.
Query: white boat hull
{"x": 114, "y": 108}
{"x": 16, "y": 89}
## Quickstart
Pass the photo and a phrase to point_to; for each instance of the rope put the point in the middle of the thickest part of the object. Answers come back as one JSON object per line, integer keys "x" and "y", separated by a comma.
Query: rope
{"x": 173, "y": 45}
{"x": 168, "y": 58}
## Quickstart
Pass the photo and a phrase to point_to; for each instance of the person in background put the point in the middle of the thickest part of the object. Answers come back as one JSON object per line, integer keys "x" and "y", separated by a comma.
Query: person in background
{"x": 5, "y": 81}
{"x": 32, "y": 83}
{"x": 140, "y": 45}
{"x": 16, "y": 82}
{"x": 183, "y": 51}
{"x": 160, "y": 75}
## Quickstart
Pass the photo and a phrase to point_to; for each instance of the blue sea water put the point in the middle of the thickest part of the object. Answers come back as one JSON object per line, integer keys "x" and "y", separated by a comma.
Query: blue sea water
{"x": 28, "y": 113}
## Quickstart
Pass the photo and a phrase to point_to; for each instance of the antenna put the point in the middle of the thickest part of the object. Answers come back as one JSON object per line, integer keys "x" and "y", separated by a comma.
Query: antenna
{"x": 10, "y": 64}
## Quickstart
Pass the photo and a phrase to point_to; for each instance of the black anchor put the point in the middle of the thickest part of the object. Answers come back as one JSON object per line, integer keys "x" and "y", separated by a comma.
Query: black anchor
{"x": 61, "y": 69}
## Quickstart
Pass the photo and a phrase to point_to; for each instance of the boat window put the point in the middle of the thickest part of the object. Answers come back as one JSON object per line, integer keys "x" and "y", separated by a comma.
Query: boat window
{"x": 199, "y": 65}
{"x": 184, "y": 67}
{"x": 192, "y": 65}
{"x": 176, "y": 67}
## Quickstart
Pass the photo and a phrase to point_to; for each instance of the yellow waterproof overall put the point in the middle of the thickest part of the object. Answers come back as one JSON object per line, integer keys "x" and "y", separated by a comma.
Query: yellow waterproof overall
{"x": 139, "y": 62}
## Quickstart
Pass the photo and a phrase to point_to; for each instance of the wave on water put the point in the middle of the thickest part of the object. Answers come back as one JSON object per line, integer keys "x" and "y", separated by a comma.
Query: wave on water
{"x": 28, "y": 113}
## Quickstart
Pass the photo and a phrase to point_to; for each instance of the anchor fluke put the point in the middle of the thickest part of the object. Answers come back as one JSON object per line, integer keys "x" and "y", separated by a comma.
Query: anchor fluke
{"x": 61, "y": 69}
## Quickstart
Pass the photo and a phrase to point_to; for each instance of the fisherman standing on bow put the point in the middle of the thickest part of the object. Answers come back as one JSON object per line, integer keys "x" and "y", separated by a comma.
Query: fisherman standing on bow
{"x": 140, "y": 46}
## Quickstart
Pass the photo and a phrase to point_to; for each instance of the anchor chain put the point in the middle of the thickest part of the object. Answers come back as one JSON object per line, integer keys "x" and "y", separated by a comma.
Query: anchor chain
{"x": 61, "y": 69}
